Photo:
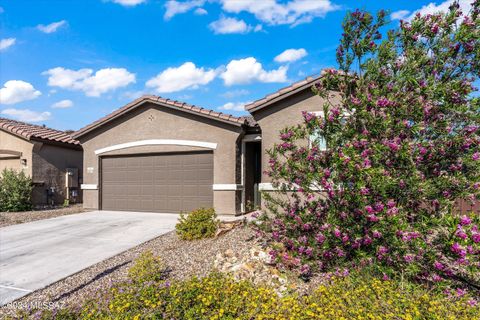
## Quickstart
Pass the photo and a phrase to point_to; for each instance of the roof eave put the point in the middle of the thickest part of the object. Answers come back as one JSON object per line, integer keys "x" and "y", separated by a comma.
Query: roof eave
{"x": 16, "y": 134}
{"x": 269, "y": 102}
{"x": 58, "y": 143}
{"x": 154, "y": 100}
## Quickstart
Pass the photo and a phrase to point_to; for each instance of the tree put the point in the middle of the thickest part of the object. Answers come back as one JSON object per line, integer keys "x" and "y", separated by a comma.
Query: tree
{"x": 402, "y": 145}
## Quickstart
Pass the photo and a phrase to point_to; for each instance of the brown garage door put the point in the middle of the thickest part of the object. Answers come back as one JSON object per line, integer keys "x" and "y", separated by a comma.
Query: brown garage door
{"x": 157, "y": 183}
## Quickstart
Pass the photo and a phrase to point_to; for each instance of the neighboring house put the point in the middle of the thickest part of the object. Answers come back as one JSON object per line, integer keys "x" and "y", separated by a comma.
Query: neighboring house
{"x": 52, "y": 158}
{"x": 161, "y": 155}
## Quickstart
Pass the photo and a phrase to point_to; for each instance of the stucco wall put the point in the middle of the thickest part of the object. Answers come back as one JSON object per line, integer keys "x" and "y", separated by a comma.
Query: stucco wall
{"x": 14, "y": 143}
{"x": 288, "y": 112}
{"x": 153, "y": 122}
{"x": 49, "y": 168}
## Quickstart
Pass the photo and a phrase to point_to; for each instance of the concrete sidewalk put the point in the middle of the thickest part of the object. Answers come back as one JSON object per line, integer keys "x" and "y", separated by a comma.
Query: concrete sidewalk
{"x": 36, "y": 254}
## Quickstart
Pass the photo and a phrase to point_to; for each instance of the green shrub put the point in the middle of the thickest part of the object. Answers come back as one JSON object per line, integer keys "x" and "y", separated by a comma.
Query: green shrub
{"x": 147, "y": 267}
{"x": 15, "y": 191}
{"x": 198, "y": 224}
{"x": 220, "y": 297}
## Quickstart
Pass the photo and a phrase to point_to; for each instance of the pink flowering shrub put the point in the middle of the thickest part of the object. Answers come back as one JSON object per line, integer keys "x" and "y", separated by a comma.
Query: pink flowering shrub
{"x": 402, "y": 125}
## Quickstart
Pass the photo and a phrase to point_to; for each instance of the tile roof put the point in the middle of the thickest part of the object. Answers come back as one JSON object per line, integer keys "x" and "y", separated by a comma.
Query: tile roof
{"x": 31, "y": 131}
{"x": 282, "y": 93}
{"x": 174, "y": 104}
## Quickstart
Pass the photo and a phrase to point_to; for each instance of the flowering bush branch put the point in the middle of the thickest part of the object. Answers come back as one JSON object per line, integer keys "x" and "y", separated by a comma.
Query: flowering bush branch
{"x": 401, "y": 123}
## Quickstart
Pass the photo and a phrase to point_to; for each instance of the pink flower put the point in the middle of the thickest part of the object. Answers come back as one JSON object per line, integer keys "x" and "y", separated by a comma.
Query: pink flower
{"x": 337, "y": 233}
{"x": 367, "y": 240}
{"x": 376, "y": 234}
{"x": 461, "y": 234}
{"x": 382, "y": 250}
{"x": 392, "y": 211}
{"x": 465, "y": 220}
{"x": 309, "y": 251}
{"x": 369, "y": 209}
{"x": 456, "y": 248}
{"x": 460, "y": 292}
{"x": 408, "y": 258}
{"x": 472, "y": 302}
{"x": 436, "y": 278}
{"x": 305, "y": 269}
{"x": 320, "y": 238}
{"x": 384, "y": 102}
{"x": 364, "y": 191}
{"x": 356, "y": 101}
{"x": 438, "y": 266}
{"x": 476, "y": 237}
{"x": 391, "y": 203}
{"x": 476, "y": 156}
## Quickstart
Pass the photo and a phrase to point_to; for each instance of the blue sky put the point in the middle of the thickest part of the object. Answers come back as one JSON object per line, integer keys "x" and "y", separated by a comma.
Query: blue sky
{"x": 66, "y": 63}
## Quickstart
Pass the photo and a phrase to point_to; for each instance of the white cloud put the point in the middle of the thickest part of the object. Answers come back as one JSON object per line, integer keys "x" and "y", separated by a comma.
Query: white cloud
{"x": 226, "y": 25}
{"x": 92, "y": 85}
{"x": 432, "y": 8}
{"x": 248, "y": 70}
{"x": 132, "y": 95}
{"x": 200, "y": 12}
{"x": 399, "y": 15}
{"x": 63, "y": 104}
{"x": 291, "y": 55}
{"x": 15, "y": 91}
{"x": 52, "y": 27}
{"x": 187, "y": 76}
{"x": 233, "y": 106}
{"x": 129, "y": 3}
{"x": 275, "y": 13}
{"x": 27, "y": 115}
{"x": 235, "y": 93}
{"x": 7, "y": 43}
{"x": 174, "y": 7}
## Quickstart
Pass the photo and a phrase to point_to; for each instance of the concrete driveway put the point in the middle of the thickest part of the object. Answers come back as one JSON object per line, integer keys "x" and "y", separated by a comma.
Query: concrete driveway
{"x": 36, "y": 254}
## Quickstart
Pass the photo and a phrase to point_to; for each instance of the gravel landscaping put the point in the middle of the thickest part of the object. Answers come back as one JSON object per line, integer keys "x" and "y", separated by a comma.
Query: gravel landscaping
{"x": 10, "y": 218}
{"x": 183, "y": 259}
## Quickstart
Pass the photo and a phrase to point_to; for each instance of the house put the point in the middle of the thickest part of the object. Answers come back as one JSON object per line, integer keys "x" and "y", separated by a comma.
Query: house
{"x": 160, "y": 155}
{"x": 52, "y": 158}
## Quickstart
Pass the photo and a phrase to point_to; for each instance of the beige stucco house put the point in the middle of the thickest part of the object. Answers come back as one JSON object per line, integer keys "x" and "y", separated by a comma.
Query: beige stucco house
{"x": 160, "y": 155}
{"x": 52, "y": 158}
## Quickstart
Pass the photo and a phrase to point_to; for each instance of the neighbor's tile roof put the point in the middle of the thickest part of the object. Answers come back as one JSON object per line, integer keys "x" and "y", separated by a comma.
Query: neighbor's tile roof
{"x": 174, "y": 104}
{"x": 31, "y": 131}
{"x": 282, "y": 93}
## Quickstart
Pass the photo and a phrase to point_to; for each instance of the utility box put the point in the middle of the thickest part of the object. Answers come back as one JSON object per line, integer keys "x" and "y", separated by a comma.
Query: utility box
{"x": 71, "y": 178}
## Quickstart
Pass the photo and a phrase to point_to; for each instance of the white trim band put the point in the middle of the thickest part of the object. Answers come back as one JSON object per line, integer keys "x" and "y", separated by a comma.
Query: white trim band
{"x": 227, "y": 187}
{"x": 266, "y": 186}
{"x": 89, "y": 187}
{"x": 153, "y": 142}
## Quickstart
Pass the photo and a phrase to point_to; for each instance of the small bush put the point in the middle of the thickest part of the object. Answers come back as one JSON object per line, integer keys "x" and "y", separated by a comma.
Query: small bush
{"x": 219, "y": 297}
{"x": 15, "y": 191}
{"x": 198, "y": 224}
{"x": 147, "y": 267}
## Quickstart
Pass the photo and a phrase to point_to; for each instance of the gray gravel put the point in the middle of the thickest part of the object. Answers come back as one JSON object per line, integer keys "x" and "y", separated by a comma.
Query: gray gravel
{"x": 184, "y": 258}
{"x": 10, "y": 218}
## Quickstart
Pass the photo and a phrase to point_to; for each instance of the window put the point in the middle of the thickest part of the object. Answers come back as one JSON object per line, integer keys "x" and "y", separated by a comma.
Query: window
{"x": 316, "y": 138}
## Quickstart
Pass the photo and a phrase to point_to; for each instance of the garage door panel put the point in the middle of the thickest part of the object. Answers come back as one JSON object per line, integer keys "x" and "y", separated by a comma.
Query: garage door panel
{"x": 159, "y": 183}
